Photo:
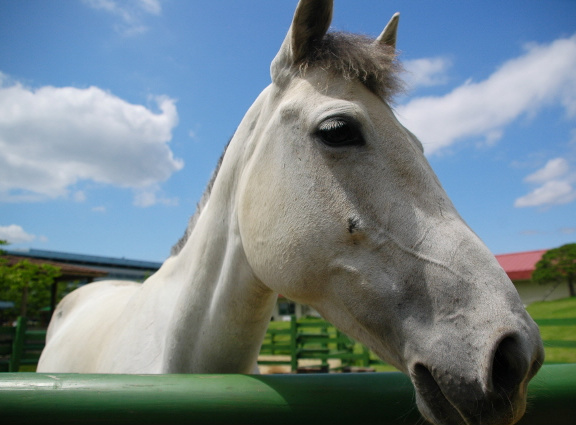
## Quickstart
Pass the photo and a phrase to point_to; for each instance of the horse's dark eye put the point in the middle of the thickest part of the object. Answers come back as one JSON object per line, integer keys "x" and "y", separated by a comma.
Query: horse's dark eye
{"x": 338, "y": 132}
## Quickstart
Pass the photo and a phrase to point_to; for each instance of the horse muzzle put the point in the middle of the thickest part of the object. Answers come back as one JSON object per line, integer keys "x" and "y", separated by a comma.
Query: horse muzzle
{"x": 494, "y": 393}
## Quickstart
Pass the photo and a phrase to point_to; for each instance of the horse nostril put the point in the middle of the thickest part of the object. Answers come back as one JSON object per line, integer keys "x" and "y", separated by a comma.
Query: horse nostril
{"x": 424, "y": 378}
{"x": 509, "y": 367}
{"x": 431, "y": 398}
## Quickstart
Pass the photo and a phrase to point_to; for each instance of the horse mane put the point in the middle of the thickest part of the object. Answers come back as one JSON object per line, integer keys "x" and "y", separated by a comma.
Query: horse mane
{"x": 352, "y": 56}
{"x": 175, "y": 250}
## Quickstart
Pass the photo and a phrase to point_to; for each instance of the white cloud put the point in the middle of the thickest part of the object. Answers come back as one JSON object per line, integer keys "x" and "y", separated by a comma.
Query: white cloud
{"x": 15, "y": 234}
{"x": 551, "y": 193}
{"x": 426, "y": 72}
{"x": 554, "y": 168}
{"x": 543, "y": 75}
{"x": 130, "y": 12}
{"x": 151, "y": 6}
{"x": 51, "y": 138}
{"x": 151, "y": 196}
{"x": 79, "y": 196}
{"x": 556, "y": 181}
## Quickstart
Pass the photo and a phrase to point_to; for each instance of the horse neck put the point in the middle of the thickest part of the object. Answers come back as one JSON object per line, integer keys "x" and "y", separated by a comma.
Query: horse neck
{"x": 222, "y": 310}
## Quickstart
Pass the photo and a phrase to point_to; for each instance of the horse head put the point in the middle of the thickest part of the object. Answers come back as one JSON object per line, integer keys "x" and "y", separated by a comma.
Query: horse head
{"x": 338, "y": 208}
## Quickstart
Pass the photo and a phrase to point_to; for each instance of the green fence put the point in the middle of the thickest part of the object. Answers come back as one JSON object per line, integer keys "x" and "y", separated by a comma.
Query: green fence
{"x": 383, "y": 398}
{"x": 318, "y": 339}
{"x": 20, "y": 346}
{"x": 294, "y": 341}
{"x": 308, "y": 339}
{"x": 313, "y": 339}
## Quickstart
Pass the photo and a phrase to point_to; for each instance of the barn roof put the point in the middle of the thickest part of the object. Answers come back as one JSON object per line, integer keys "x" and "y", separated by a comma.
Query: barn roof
{"x": 68, "y": 272}
{"x": 520, "y": 265}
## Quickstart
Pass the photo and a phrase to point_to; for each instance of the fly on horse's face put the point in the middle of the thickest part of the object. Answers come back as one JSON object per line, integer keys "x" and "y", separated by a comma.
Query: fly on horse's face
{"x": 323, "y": 196}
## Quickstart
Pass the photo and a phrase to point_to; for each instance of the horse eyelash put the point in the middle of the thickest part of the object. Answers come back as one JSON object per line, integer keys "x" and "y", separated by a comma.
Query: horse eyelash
{"x": 332, "y": 124}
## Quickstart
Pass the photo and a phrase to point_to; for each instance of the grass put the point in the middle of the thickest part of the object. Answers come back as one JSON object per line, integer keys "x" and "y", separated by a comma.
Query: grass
{"x": 558, "y": 309}
{"x": 554, "y": 336}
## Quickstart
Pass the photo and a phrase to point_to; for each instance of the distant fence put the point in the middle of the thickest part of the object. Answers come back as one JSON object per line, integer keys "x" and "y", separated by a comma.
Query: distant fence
{"x": 313, "y": 339}
{"x": 285, "y": 343}
{"x": 307, "y": 339}
{"x": 383, "y": 398}
{"x": 20, "y": 346}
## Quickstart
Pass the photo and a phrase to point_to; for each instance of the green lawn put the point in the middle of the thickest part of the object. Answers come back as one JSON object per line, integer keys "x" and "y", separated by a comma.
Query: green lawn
{"x": 560, "y": 338}
{"x": 564, "y": 308}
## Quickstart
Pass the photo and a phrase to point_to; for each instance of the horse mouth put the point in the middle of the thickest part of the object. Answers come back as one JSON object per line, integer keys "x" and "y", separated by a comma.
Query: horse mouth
{"x": 431, "y": 401}
{"x": 473, "y": 406}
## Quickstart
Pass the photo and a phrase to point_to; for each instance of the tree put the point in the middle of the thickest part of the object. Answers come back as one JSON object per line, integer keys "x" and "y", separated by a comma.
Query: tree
{"x": 26, "y": 284}
{"x": 556, "y": 266}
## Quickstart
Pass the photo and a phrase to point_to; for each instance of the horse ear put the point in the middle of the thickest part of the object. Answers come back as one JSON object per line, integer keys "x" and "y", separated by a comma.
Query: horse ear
{"x": 388, "y": 36}
{"x": 310, "y": 23}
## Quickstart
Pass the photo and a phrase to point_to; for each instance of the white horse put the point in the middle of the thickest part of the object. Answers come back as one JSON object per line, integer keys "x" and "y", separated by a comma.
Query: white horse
{"x": 323, "y": 196}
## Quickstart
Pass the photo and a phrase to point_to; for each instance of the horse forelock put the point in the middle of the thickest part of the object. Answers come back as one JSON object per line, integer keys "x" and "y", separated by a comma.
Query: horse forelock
{"x": 355, "y": 56}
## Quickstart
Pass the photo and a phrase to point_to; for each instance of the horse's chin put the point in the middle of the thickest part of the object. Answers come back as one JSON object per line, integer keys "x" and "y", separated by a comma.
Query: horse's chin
{"x": 442, "y": 412}
{"x": 432, "y": 403}
{"x": 503, "y": 409}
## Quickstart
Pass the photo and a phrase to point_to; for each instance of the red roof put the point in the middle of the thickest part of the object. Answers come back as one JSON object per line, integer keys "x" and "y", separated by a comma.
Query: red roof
{"x": 520, "y": 265}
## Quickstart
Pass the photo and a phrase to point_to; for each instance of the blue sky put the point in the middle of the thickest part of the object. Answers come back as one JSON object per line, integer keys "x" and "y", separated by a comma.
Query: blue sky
{"x": 113, "y": 113}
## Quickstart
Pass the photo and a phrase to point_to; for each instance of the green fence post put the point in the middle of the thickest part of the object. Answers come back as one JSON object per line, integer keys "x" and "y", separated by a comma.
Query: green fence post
{"x": 18, "y": 344}
{"x": 365, "y": 356}
{"x": 293, "y": 343}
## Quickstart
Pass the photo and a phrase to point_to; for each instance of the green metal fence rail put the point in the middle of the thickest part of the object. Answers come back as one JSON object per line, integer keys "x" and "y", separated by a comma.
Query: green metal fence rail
{"x": 384, "y": 398}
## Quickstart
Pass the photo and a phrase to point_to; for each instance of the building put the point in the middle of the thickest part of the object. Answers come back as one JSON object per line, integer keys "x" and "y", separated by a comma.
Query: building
{"x": 84, "y": 268}
{"x": 113, "y": 268}
{"x": 87, "y": 268}
{"x": 68, "y": 273}
{"x": 519, "y": 267}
